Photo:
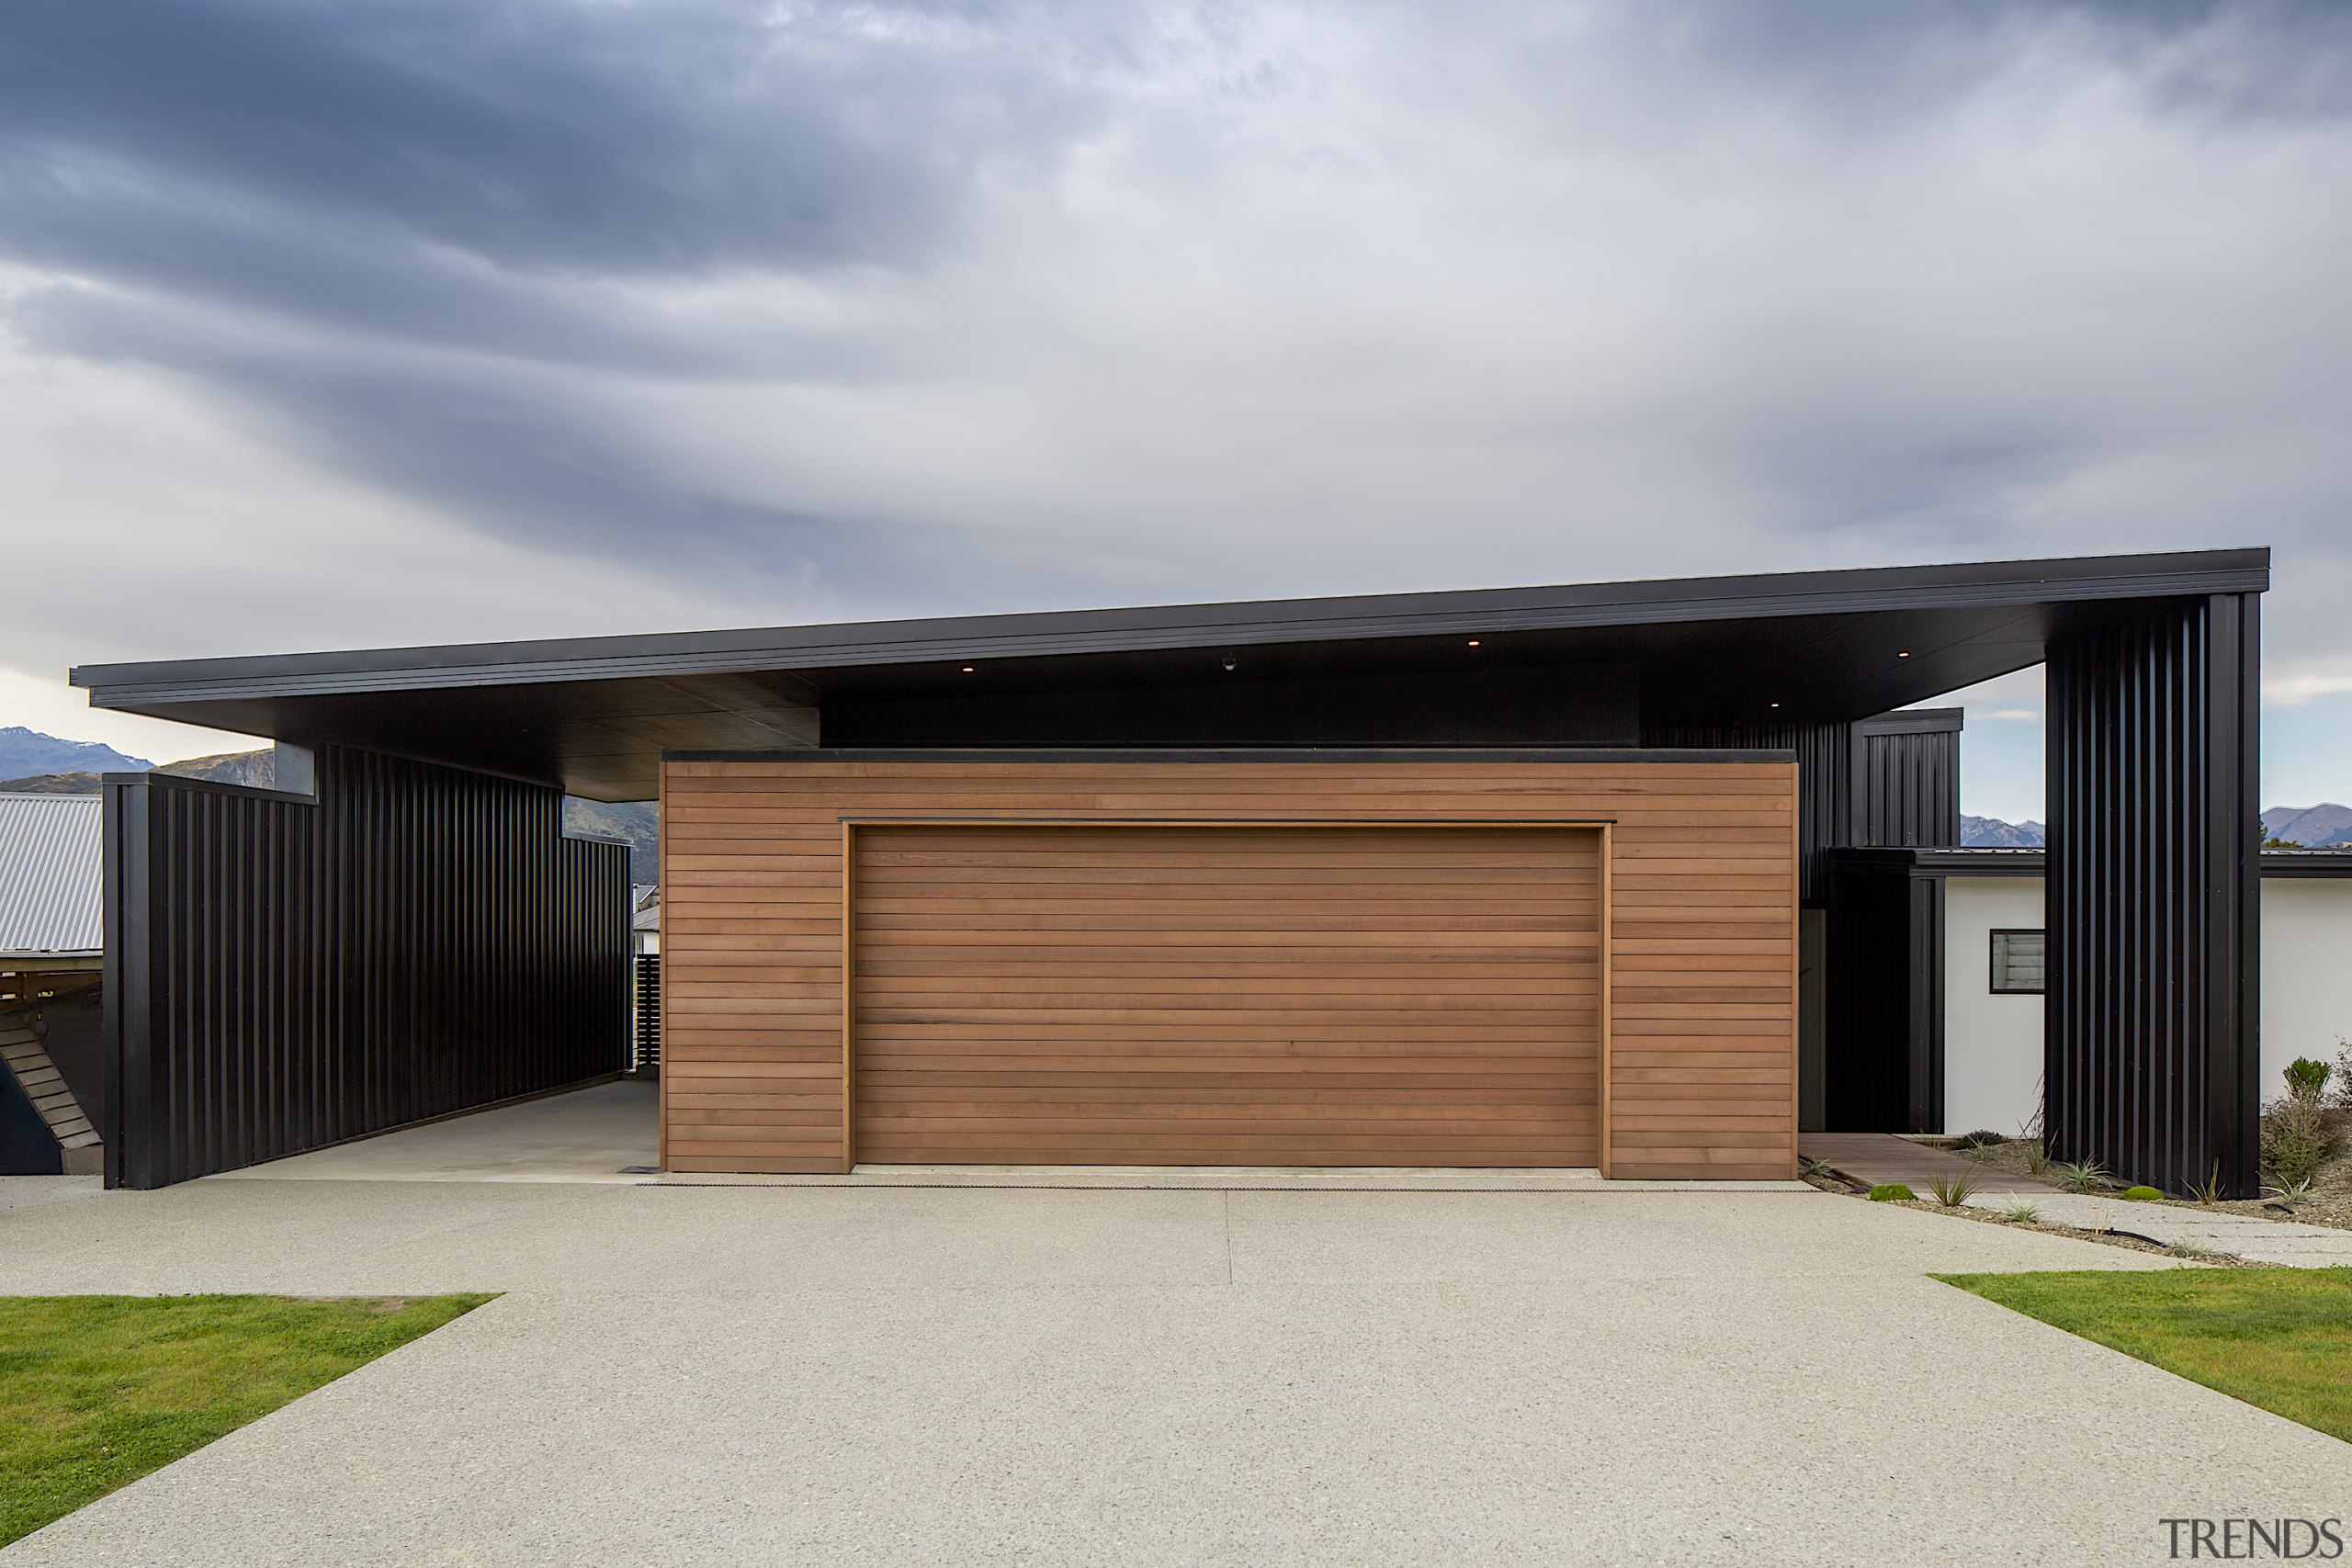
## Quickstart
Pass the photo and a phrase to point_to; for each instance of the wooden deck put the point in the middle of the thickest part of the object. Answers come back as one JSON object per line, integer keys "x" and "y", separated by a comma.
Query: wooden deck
{"x": 1874, "y": 1159}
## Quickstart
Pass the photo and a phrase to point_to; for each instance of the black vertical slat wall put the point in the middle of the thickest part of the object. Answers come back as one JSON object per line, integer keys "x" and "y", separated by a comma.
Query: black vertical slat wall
{"x": 2152, "y": 1058}
{"x": 284, "y": 972}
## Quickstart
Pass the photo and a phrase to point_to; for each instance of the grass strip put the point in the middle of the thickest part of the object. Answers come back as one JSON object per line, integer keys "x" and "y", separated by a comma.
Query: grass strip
{"x": 96, "y": 1391}
{"x": 2279, "y": 1339}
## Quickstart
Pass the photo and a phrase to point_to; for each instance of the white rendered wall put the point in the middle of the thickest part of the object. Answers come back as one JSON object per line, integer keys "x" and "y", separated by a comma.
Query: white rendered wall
{"x": 1992, "y": 1043}
{"x": 2306, "y": 973}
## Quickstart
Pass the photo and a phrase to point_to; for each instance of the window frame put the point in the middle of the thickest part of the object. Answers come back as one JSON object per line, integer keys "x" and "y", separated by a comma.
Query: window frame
{"x": 1992, "y": 961}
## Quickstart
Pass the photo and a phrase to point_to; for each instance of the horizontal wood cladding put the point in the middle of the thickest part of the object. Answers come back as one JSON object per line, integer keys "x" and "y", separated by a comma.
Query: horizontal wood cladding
{"x": 1201, "y": 996}
{"x": 1264, "y": 990}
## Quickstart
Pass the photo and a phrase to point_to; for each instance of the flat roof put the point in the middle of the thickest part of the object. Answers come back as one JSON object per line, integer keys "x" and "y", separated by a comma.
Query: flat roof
{"x": 594, "y": 715}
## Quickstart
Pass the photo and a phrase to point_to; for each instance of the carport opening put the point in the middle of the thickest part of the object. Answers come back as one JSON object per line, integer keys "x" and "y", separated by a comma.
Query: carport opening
{"x": 608, "y": 1131}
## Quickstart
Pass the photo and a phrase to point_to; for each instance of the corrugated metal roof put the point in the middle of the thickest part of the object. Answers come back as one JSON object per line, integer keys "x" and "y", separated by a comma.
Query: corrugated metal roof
{"x": 52, "y": 853}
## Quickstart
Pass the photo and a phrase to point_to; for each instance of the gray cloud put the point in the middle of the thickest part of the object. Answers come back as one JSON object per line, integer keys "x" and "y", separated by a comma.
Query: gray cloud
{"x": 903, "y": 307}
{"x": 564, "y": 138}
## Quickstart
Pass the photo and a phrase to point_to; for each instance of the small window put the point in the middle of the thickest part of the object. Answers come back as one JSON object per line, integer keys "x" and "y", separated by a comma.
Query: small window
{"x": 2017, "y": 962}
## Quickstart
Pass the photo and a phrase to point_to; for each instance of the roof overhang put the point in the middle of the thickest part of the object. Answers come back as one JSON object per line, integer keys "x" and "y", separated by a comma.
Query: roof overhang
{"x": 1988, "y": 859}
{"x": 594, "y": 715}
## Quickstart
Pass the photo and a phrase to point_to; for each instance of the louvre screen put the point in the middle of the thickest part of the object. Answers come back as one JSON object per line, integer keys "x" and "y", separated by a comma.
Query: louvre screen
{"x": 2018, "y": 962}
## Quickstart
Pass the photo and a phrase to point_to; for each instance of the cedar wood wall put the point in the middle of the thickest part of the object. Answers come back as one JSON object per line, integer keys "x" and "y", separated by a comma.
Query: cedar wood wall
{"x": 1702, "y": 878}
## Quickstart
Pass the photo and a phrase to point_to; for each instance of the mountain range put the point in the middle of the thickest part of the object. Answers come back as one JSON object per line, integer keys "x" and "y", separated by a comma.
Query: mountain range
{"x": 25, "y": 753}
{"x": 2324, "y": 826}
{"x": 1991, "y": 832}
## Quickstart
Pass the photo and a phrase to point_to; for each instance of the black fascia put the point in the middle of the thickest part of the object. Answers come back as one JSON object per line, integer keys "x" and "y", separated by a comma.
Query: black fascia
{"x": 2323, "y": 863}
{"x": 1861, "y": 591}
{"x": 1915, "y": 721}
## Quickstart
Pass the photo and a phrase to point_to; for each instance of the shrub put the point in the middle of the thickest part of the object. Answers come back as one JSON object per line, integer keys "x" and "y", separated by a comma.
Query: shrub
{"x": 2143, "y": 1194}
{"x": 2021, "y": 1213}
{"x": 1980, "y": 1139}
{"x": 1892, "y": 1192}
{"x": 2342, "y": 1096}
{"x": 2082, "y": 1175}
{"x": 1952, "y": 1191}
{"x": 2299, "y": 1136}
{"x": 2307, "y": 1080}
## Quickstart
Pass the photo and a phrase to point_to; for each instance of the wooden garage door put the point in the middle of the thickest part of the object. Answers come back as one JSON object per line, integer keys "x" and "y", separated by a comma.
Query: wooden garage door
{"x": 1225, "y": 994}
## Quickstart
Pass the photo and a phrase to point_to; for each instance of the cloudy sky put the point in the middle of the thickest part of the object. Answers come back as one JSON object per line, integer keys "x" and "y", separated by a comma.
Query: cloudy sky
{"x": 390, "y": 322}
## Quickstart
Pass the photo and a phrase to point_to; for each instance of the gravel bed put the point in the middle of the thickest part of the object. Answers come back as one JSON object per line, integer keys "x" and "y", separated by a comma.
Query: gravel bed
{"x": 2330, "y": 1202}
{"x": 1992, "y": 1217}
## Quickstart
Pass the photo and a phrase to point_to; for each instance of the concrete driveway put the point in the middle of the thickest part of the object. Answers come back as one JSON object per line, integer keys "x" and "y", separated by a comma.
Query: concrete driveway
{"x": 826, "y": 1375}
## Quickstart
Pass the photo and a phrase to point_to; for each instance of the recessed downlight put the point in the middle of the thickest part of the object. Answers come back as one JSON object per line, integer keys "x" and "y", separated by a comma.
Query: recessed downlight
{"x": 1474, "y": 642}
{"x": 970, "y": 668}
{"x": 1905, "y": 654}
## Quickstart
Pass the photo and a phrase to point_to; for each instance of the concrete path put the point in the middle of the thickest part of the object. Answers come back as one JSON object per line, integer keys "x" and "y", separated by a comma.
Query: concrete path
{"x": 868, "y": 1375}
{"x": 1875, "y": 1159}
{"x": 2250, "y": 1236}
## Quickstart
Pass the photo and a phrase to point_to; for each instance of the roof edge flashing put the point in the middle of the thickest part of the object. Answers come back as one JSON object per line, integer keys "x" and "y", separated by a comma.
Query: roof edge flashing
{"x": 1160, "y": 627}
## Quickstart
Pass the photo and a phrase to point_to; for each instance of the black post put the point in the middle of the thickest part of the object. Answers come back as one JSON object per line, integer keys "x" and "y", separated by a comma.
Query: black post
{"x": 2151, "y": 1051}
{"x": 124, "y": 975}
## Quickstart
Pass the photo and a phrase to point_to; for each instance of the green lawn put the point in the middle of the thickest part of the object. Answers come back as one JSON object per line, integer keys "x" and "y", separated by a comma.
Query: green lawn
{"x": 96, "y": 1391}
{"x": 2280, "y": 1339}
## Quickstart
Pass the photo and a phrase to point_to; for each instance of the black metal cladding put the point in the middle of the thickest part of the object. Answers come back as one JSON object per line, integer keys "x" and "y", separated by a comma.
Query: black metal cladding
{"x": 2151, "y": 1052}
{"x": 1906, "y": 789}
{"x": 284, "y": 973}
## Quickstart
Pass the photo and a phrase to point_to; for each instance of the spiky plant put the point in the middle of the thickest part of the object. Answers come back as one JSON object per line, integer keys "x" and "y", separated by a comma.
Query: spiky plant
{"x": 2081, "y": 1175}
{"x": 2289, "y": 1192}
{"x": 1952, "y": 1191}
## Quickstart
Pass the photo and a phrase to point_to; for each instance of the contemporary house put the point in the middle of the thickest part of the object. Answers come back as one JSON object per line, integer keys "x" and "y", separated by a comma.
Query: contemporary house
{"x": 1511, "y": 877}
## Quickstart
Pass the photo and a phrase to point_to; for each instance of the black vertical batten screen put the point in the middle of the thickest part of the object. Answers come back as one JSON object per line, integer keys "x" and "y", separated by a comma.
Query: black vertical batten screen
{"x": 284, "y": 972}
{"x": 2151, "y": 1052}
